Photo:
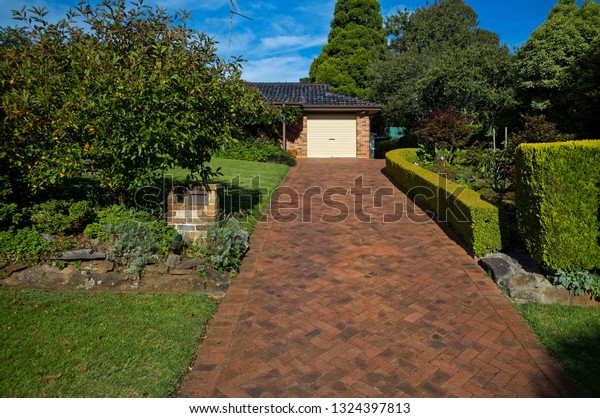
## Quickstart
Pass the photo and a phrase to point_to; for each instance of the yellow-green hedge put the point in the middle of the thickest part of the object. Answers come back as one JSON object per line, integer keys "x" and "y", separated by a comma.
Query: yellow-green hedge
{"x": 476, "y": 220}
{"x": 558, "y": 203}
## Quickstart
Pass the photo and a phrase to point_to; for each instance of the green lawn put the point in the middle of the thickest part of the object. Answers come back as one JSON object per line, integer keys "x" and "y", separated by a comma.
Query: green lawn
{"x": 97, "y": 345}
{"x": 572, "y": 335}
{"x": 247, "y": 186}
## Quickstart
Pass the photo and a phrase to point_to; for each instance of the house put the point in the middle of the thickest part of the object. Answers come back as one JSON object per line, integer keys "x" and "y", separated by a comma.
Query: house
{"x": 332, "y": 125}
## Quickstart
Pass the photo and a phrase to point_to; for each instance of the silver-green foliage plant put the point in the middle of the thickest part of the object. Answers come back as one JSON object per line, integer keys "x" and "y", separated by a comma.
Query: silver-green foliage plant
{"x": 579, "y": 282}
{"x": 135, "y": 236}
{"x": 226, "y": 244}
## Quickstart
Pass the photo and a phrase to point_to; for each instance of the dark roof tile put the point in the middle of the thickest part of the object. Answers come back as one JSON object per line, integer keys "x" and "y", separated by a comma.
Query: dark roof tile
{"x": 309, "y": 95}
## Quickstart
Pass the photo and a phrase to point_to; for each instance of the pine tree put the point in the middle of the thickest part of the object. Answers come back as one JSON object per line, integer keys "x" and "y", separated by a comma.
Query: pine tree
{"x": 356, "y": 38}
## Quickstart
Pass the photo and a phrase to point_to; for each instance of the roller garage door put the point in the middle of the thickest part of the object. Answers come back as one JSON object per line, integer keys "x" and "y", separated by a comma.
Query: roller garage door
{"x": 331, "y": 135}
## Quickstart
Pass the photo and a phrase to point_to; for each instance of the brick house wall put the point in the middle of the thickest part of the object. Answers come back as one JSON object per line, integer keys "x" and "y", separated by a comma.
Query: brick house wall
{"x": 297, "y": 137}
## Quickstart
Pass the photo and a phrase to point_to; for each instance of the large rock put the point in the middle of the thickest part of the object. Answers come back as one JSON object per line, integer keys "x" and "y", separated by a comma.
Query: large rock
{"x": 109, "y": 281}
{"x": 216, "y": 282}
{"x": 81, "y": 255}
{"x": 7, "y": 271}
{"x": 529, "y": 288}
{"x": 189, "y": 264}
{"x": 172, "y": 260}
{"x": 523, "y": 285}
{"x": 501, "y": 267}
{"x": 157, "y": 282}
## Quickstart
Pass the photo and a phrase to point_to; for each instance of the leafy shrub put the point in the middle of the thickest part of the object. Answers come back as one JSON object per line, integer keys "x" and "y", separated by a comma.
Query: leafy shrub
{"x": 476, "y": 220}
{"x": 558, "y": 203}
{"x": 60, "y": 216}
{"x": 260, "y": 151}
{"x": 226, "y": 244}
{"x": 135, "y": 236}
{"x": 579, "y": 282}
{"x": 446, "y": 129}
{"x": 495, "y": 167}
{"x": 536, "y": 129}
{"x": 10, "y": 215}
{"x": 25, "y": 244}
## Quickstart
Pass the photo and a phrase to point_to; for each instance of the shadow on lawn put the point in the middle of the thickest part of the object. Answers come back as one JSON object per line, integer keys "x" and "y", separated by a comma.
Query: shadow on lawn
{"x": 235, "y": 199}
{"x": 579, "y": 353}
{"x": 240, "y": 199}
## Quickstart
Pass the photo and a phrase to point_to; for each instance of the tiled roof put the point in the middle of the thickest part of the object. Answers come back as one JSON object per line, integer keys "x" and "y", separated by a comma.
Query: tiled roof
{"x": 309, "y": 95}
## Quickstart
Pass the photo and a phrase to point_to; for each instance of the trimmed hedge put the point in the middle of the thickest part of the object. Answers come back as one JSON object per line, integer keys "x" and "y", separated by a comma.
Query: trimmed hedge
{"x": 476, "y": 220}
{"x": 558, "y": 203}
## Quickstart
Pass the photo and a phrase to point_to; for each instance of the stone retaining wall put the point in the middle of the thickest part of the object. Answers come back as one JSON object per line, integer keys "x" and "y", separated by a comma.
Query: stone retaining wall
{"x": 188, "y": 276}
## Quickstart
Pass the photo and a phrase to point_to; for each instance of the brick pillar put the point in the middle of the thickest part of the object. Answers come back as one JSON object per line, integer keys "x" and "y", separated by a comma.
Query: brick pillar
{"x": 363, "y": 136}
{"x": 192, "y": 211}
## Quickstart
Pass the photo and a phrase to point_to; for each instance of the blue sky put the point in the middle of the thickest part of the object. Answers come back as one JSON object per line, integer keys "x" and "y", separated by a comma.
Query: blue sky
{"x": 284, "y": 37}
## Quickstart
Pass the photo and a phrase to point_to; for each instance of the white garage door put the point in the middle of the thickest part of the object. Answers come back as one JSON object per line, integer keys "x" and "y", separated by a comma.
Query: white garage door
{"x": 331, "y": 135}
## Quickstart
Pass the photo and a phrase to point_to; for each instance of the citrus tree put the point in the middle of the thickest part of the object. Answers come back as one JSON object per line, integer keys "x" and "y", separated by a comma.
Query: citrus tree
{"x": 119, "y": 91}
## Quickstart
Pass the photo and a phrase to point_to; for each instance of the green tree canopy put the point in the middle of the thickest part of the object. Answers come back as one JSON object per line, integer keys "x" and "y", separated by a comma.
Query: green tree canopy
{"x": 439, "y": 59}
{"x": 125, "y": 93}
{"x": 356, "y": 38}
{"x": 555, "y": 67}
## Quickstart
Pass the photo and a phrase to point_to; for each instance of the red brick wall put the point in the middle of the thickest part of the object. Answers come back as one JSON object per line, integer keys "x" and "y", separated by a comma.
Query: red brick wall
{"x": 363, "y": 136}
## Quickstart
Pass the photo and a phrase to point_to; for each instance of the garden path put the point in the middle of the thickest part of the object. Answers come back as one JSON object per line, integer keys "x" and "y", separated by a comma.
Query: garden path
{"x": 332, "y": 307}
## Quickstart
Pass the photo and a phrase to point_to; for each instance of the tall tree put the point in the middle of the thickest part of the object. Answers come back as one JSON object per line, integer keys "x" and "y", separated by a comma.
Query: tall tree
{"x": 439, "y": 59}
{"x": 552, "y": 65}
{"x": 356, "y": 38}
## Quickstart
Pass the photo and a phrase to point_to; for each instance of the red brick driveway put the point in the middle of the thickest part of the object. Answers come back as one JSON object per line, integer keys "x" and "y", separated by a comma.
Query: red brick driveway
{"x": 329, "y": 305}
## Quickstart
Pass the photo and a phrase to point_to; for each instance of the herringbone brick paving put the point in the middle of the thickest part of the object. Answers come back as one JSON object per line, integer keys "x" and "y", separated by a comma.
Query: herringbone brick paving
{"x": 332, "y": 307}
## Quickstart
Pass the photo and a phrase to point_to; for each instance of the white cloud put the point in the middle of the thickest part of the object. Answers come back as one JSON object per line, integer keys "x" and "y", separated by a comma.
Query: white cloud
{"x": 289, "y": 68}
{"x": 291, "y": 42}
{"x": 260, "y": 6}
{"x": 317, "y": 8}
{"x": 190, "y": 4}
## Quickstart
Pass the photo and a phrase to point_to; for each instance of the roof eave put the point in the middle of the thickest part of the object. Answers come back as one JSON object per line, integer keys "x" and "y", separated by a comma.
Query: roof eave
{"x": 369, "y": 109}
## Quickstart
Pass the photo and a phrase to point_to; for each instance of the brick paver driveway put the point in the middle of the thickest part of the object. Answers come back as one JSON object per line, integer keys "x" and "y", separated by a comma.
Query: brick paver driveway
{"x": 332, "y": 307}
